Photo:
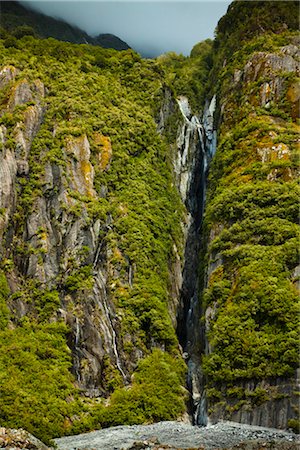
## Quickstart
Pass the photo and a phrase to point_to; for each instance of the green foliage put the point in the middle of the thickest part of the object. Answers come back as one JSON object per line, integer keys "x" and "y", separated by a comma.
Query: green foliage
{"x": 293, "y": 424}
{"x": 156, "y": 393}
{"x": 10, "y": 41}
{"x": 23, "y": 30}
{"x": 188, "y": 75}
{"x": 252, "y": 212}
{"x": 35, "y": 380}
{"x": 80, "y": 279}
{"x": 111, "y": 99}
{"x": 249, "y": 27}
{"x": 244, "y": 21}
{"x": 47, "y": 303}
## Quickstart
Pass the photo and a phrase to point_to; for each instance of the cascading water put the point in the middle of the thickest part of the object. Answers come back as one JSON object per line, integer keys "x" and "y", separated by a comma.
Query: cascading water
{"x": 196, "y": 146}
{"x": 104, "y": 307}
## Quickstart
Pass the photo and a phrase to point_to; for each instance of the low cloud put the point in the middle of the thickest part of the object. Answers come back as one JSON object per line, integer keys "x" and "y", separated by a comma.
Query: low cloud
{"x": 151, "y": 28}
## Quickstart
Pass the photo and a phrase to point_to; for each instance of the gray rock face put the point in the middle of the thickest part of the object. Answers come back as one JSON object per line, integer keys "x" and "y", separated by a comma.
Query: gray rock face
{"x": 7, "y": 74}
{"x": 16, "y": 439}
{"x": 269, "y": 63}
{"x": 58, "y": 234}
{"x": 178, "y": 435}
{"x": 270, "y": 67}
{"x": 168, "y": 108}
{"x": 277, "y": 410}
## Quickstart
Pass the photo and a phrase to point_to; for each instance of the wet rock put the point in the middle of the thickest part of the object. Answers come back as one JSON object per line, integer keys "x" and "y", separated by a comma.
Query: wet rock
{"x": 276, "y": 410}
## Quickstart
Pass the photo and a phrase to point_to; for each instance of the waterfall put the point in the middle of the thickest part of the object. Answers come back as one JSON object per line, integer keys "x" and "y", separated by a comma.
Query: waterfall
{"x": 196, "y": 146}
{"x": 101, "y": 297}
{"x": 76, "y": 357}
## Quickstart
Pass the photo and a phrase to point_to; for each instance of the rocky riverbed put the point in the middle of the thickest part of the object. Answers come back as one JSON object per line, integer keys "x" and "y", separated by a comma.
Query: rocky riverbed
{"x": 177, "y": 435}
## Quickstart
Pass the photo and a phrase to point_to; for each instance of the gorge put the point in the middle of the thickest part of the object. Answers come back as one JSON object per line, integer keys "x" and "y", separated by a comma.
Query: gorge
{"x": 149, "y": 231}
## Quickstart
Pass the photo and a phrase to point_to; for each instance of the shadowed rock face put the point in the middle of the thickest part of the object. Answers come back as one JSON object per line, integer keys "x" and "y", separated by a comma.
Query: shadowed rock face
{"x": 196, "y": 144}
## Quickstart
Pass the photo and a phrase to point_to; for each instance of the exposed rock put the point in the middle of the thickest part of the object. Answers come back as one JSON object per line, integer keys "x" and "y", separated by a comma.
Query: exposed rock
{"x": 279, "y": 151}
{"x": 176, "y": 435}
{"x": 7, "y": 74}
{"x": 20, "y": 94}
{"x": 105, "y": 150}
{"x": 279, "y": 406}
{"x": 269, "y": 63}
{"x": 176, "y": 284}
{"x": 168, "y": 108}
{"x": 56, "y": 229}
{"x": 17, "y": 439}
{"x": 293, "y": 96}
{"x": 80, "y": 170}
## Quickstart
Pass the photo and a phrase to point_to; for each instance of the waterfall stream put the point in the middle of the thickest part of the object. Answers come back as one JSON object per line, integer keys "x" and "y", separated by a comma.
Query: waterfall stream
{"x": 104, "y": 307}
{"x": 196, "y": 145}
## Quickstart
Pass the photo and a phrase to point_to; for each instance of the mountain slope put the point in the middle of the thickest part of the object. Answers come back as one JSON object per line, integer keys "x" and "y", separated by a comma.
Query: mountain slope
{"x": 251, "y": 298}
{"x": 16, "y": 19}
{"x": 91, "y": 240}
{"x": 102, "y": 189}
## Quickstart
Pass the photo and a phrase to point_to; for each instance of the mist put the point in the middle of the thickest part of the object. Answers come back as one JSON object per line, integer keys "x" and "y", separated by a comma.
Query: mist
{"x": 151, "y": 28}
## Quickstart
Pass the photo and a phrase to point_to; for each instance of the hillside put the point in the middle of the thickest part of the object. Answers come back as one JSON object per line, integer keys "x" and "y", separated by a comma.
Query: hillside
{"x": 147, "y": 272}
{"x": 251, "y": 281}
{"x": 20, "y": 20}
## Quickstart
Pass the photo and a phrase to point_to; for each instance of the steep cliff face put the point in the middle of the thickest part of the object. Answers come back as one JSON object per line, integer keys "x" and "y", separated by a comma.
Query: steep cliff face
{"x": 250, "y": 298}
{"x": 103, "y": 171}
{"x": 91, "y": 241}
{"x": 195, "y": 149}
{"x": 56, "y": 243}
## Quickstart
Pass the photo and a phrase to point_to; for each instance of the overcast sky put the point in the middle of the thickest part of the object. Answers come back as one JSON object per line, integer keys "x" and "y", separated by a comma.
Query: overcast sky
{"x": 151, "y": 28}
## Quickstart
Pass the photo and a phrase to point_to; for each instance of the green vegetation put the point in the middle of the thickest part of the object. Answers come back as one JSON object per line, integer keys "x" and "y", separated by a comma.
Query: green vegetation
{"x": 252, "y": 210}
{"x": 36, "y": 387}
{"x": 156, "y": 393}
{"x": 188, "y": 75}
{"x": 99, "y": 138}
{"x": 251, "y": 27}
{"x": 109, "y": 100}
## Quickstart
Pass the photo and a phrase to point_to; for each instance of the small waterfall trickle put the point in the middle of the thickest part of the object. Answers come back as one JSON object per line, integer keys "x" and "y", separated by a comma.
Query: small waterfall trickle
{"x": 77, "y": 350}
{"x": 104, "y": 307}
{"x": 196, "y": 146}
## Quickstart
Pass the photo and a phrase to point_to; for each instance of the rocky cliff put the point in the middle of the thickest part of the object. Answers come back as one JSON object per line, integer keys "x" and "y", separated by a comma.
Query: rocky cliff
{"x": 92, "y": 237}
{"x": 250, "y": 300}
{"x": 110, "y": 277}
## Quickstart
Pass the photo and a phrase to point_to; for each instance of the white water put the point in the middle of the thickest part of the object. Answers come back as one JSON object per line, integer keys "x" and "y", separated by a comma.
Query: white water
{"x": 77, "y": 339}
